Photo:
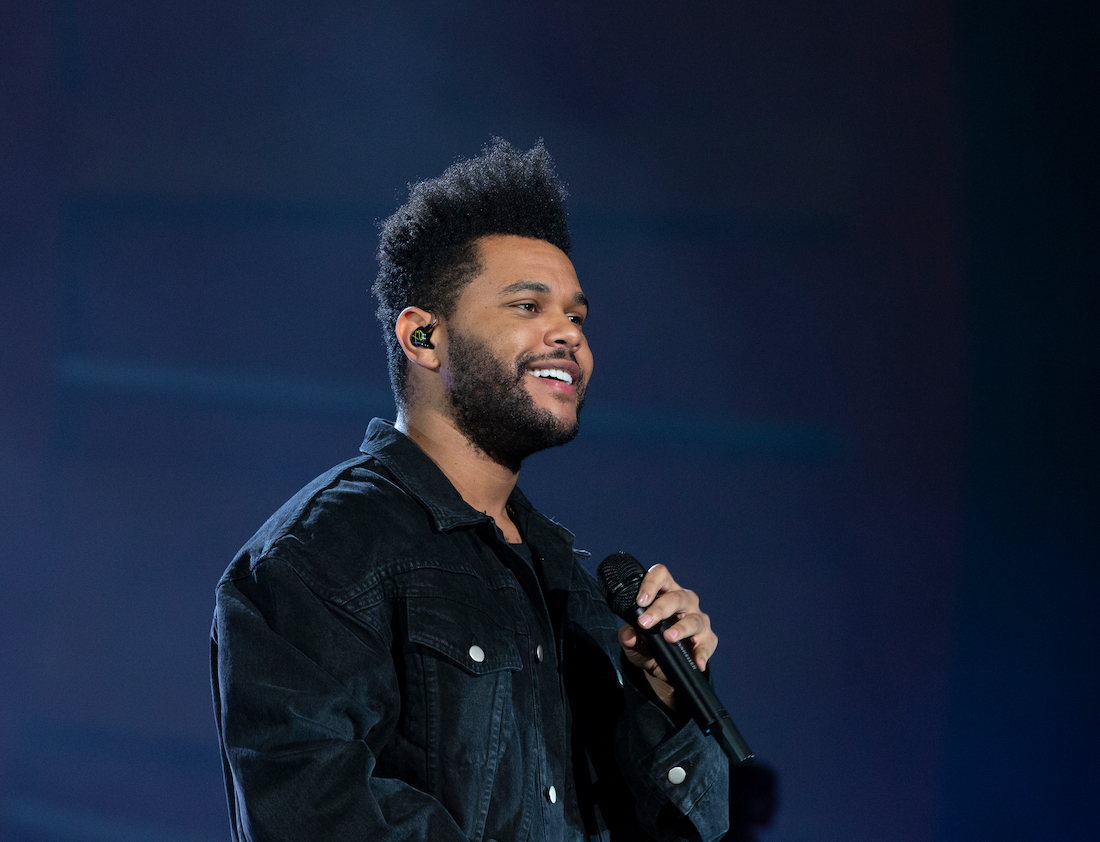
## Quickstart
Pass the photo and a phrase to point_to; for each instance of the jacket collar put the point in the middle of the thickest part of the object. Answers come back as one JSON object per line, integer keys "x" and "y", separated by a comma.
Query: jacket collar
{"x": 422, "y": 479}
{"x": 419, "y": 476}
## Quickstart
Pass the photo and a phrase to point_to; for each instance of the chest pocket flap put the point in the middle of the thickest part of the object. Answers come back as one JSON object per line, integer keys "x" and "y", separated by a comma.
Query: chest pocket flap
{"x": 464, "y": 635}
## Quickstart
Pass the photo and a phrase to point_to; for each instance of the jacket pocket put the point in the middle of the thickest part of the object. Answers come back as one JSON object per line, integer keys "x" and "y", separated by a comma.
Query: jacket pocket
{"x": 466, "y": 636}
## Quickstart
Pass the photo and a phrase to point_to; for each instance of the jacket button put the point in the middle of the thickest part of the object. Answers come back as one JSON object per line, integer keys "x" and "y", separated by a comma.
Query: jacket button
{"x": 477, "y": 654}
{"x": 552, "y": 795}
{"x": 677, "y": 775}
{"x": 538, "y": 653}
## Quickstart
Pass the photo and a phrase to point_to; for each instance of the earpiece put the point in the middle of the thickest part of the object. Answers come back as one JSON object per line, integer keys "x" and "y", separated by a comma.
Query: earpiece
{"x": 422, "y": 336}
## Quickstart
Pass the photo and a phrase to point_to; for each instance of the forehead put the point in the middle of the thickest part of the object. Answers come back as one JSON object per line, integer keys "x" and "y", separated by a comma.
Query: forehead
{"x": 510, "y": 263}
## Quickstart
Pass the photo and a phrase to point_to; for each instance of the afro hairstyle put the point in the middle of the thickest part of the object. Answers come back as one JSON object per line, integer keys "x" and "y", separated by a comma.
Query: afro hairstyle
{"x": 428, "y": 250}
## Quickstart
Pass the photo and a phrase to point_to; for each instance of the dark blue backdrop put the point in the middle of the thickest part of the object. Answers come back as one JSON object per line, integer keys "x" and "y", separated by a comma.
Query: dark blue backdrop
{"x": 843, "y": 316}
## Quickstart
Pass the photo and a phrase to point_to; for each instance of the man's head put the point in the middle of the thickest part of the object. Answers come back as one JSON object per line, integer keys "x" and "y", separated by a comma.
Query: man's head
{"x": 429, "y": 247}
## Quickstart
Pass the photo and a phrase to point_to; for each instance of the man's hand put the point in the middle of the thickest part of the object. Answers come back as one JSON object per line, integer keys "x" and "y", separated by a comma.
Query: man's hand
{"x": 662, "y": 597}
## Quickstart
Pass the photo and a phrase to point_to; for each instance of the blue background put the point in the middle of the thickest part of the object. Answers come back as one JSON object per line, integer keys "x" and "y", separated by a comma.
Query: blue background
{"x": 843, "y": 272}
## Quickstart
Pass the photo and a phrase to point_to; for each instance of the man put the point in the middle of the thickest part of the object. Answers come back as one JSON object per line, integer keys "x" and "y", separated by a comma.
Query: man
{"x": 408, "y": 650}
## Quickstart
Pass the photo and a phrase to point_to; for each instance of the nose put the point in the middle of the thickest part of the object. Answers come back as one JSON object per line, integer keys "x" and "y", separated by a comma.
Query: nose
{"x": 564, "y": 332}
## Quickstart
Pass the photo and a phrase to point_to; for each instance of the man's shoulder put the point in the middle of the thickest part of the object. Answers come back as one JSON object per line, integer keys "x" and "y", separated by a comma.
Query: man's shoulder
{"x": 336, "y": 532}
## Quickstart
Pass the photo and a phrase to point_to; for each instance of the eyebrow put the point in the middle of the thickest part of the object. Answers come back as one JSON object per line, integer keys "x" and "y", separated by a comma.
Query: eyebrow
{"x": 539, "y": 286}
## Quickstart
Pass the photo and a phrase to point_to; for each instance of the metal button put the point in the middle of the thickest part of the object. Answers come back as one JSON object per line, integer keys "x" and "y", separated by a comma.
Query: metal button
{"x": 477, "y": 654}
{"x": 552, "y": 795}
{"x": 538, "y": 653}
{"x": 677, "y": 775}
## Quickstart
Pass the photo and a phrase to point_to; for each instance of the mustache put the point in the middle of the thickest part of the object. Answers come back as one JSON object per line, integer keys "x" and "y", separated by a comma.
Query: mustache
{"x": 560, "y": 354}
{"x": 527, "y": 359}
{"x": 523, "y": 362}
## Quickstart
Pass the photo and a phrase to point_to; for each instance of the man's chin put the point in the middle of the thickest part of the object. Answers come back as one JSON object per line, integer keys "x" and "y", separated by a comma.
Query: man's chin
{"x": 565, "y": 414}
{"x": 566, "y": 410}
{"x": 566, "y": 421}
{"x": 554, "y": 431}
{"x": 567, "y": 430}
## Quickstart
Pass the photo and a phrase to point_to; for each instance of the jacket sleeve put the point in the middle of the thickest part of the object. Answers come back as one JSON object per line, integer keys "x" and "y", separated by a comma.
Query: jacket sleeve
{"x": 300, "y": 741}
{"x": 679, "y": 777}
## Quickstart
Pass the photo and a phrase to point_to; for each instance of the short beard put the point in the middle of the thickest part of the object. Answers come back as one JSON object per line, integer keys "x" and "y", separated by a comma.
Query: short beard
{"x": 493, "y": 409}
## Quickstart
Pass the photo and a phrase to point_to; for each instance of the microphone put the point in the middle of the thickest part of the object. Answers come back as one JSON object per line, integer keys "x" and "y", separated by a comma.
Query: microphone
{"x": 620, "y": 576}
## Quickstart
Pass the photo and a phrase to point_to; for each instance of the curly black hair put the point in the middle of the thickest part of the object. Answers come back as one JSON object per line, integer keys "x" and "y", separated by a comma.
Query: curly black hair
{"x": 428, "y": 250}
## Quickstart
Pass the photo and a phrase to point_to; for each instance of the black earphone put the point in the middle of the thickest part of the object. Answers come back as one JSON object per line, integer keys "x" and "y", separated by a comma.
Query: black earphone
{"x": 422, "y": 336}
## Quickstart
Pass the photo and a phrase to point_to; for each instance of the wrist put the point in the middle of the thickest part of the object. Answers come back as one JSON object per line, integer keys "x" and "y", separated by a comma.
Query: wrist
{"x": 661, "y": 690}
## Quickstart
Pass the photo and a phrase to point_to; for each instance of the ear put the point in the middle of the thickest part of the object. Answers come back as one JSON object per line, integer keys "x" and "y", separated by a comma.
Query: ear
{"x": 409, "y": 320}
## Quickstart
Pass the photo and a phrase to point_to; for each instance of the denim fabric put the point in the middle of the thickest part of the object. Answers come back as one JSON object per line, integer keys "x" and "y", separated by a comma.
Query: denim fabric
{"x": 386, "y": 667}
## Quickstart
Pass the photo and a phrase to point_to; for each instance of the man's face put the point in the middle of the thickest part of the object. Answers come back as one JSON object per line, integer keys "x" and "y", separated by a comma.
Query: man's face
{"x": 517, "y": 362}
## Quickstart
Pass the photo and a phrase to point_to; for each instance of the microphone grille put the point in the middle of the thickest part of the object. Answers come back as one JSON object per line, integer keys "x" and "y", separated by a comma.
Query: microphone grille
{"x": 619, "y": 576}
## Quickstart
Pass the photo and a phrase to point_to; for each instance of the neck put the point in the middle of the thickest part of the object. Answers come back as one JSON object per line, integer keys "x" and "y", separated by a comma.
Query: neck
{"x": 483, "y": 483}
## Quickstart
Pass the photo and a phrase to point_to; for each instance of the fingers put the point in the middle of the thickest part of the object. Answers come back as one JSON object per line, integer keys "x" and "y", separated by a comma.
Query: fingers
{"x": 628, "y": 637}
{"x": 662, "y": 598}
{"x": 637, "y": 654}
{"x": 657, "y": 580}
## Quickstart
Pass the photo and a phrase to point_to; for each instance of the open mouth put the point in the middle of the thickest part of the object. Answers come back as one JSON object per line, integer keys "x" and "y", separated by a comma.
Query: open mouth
{"x": 552, "y": 374}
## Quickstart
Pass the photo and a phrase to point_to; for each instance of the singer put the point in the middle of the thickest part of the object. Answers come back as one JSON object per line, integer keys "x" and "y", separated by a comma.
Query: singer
{"x": 407, "y": 649}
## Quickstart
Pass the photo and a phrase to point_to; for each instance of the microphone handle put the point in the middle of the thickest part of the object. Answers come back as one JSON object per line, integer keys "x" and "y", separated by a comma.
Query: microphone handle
{"x": 693, "y": 690}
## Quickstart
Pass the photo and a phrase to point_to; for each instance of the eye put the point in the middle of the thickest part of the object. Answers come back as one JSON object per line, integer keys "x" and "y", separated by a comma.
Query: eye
{"x": 576, "y": 318}
{"x": 527, "y": 306}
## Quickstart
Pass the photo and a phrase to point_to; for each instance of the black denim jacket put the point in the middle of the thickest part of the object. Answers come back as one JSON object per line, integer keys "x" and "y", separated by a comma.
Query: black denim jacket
{"x": 386, "y": 667}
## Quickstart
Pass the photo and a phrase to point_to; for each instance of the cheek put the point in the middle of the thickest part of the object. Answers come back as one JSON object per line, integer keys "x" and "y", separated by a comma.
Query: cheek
{"x": 584, "y": 359}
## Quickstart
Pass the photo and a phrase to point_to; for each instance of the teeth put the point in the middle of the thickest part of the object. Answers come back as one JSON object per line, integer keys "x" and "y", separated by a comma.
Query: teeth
{"x": 555, "y": 373}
